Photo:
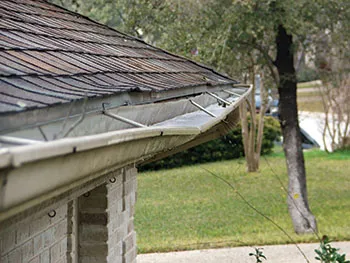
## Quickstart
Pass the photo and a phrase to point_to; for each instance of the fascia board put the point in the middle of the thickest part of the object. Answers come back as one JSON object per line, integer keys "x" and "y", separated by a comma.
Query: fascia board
{"x": 16, "y": 156}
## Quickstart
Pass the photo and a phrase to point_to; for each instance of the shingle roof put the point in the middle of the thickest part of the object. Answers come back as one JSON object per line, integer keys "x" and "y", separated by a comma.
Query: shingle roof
{"x": 49, "y": 56}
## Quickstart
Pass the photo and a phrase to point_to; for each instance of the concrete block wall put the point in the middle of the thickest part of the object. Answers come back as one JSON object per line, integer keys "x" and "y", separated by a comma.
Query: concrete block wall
{"x": 121, "y": 196}
{"x": 93, "y": 226}
{"x": 96, "y": 227}
{"x": 36, "y": 239}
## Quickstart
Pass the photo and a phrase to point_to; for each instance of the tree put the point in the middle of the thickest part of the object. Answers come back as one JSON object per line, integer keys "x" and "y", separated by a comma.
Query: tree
{"x": 233, "y": 36}
{"x": 333, "y": 66}
{"x": 253, "y": 126}
{"x": 261, "y": 32}
{"x": 269, "y": 32}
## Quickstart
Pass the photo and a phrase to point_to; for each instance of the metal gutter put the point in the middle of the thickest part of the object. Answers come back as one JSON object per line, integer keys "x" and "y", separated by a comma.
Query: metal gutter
{"x": 11, "y": 122}
{"x": 44, "y": 170}
{"x": 18, "y": 156}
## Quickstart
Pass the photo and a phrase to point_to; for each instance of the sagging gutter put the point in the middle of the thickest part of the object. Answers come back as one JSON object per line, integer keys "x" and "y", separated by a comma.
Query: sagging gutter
{"x": 34, "y": 173}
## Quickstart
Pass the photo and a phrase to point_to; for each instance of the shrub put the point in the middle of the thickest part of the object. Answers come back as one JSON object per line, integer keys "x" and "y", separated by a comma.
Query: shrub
{"x": 227, "y": 147}
{"x": 307, "y": 74}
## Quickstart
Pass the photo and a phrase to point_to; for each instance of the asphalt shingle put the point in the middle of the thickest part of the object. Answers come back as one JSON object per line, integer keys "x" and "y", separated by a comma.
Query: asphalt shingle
{"x": 49, "y": 55}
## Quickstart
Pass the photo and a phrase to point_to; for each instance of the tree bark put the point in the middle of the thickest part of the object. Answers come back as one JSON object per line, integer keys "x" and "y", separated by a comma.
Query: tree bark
{"x": 303, "y": 220}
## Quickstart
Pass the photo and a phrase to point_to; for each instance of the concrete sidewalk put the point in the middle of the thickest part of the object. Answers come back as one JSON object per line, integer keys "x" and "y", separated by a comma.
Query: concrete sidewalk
{"x": 274, "y": 254}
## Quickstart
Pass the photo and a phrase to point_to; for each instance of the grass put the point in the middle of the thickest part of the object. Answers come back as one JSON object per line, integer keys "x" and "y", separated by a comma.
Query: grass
{"x": 310, "y": 94}
{"x": 310, "y": 84}
{"x": 312, "y": 106}
{"x": 187, "y": 208}
{"x": 310, "y": 101}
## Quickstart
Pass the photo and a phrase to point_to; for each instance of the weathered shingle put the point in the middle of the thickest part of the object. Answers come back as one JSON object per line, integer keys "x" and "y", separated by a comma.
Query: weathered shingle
{"x": 50, "y": 55}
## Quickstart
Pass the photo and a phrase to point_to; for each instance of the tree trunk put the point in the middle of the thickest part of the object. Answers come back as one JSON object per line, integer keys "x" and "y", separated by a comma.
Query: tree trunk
{"x": 303, "y": 220}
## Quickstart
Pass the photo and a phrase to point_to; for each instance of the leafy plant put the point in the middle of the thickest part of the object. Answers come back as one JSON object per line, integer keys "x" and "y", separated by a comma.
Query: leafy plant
{"x": 329, "y": 254}
{"x": 259, "y": 255}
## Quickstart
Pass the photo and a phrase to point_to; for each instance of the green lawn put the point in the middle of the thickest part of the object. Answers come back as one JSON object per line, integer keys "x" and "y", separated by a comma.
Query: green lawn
{"x": 187, "y": 208}
{"x": 310, "y": 94}
{"x": 310, "y": 84}
{"x": 312, "y": 106}
{"x": 312, "y": 100}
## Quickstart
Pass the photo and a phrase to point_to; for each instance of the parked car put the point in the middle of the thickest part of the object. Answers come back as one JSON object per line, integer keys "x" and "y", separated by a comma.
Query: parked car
{"x": 274, "y": 108}
{"x": 272, "y": 104}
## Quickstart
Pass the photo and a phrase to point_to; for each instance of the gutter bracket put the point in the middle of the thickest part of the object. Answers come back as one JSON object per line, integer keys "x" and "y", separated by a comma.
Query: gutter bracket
{"x": 123, "y": 119}
{"x": 218, "y": 98}
{"x": 203, "y": 109}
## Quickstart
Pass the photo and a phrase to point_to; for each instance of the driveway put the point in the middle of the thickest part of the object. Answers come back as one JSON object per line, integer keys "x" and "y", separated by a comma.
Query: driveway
{"x": 274, "y": 254}
{"x": 313, "y": 123}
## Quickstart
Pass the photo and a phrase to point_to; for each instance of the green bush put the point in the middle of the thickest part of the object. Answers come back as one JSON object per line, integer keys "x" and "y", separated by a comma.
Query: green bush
{"x": 306, "y": 74}
{"x": 227, "y": 147}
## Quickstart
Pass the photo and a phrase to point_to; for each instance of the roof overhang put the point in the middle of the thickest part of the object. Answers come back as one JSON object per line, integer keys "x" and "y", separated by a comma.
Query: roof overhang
{"x": 14, "y": 121}
{"x": 32, "y": 174}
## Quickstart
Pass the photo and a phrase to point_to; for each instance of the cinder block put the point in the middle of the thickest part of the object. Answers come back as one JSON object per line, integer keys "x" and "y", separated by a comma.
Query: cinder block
{"x": 102, "y": 189}
{"x": 93, "y": 201}
{"x": 133, "y": 197}
{"x": 15, "y": 256}
{"x": 93, "y": 219}
{"x": 114, "y": 207}
{"x": 38, "y": 244}
{"x": 115, "y": 237}
{"x": 61, "y": 213}
{"x": 45, "y": 257}
{"x": 90, "y": 259}
{"x": 27, "y": 250}
{"x": 130, "y": 256}
{"x": 115, "y": 194}
{"x": 129, "y": 242}
{"x": 130, "y": 187}
{"x": 131, "y": 226}
{"x": 114, "y": 259}
{"x": 4, "y": 259}
{"x": 130, "y": 204}
{"x": 55, "y": 252}
{"x": 130, "y": 173}
{"x": 35, "y": 260}
{"x": 117, "y": 220}
{"x": 63, "y": 260}
{"x": 22, "y": 233}
{"x": 118, "y": 179}
{"x": 93, "y": 249}
{"x": 60, "y": 230}
{"x": 48, "y": 237}
{"x": 8, "y": 241}
{"x": 65, "y": 244}
{"x": 39, "y": 225}
{"x": 131, "y": 211}
{"x": 96, "y": 233}
{"x": 115, "y": 246}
